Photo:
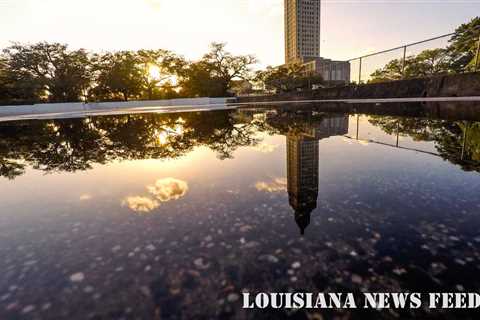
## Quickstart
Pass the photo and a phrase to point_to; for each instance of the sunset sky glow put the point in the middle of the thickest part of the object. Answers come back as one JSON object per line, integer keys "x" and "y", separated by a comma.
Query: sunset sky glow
{"x": 350, "y": 28}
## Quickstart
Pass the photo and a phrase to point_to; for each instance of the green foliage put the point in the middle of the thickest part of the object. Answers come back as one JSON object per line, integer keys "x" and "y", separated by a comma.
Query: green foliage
{"x": 459, "y": 56}
{"x": 448, "y": 137}
{"x": 119, "y": 76}
{"x": 287, "y": 78}
{"x": 428, "y": 62}
{"x": 45, "y": 70}
{"x": 215, "y": 73}
{"x": 463, "y": 45}
{"x": 70, "y": 145}
{"x": 51, "y": 72}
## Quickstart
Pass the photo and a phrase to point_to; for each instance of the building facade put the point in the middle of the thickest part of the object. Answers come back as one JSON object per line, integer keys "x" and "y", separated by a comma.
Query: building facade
{"x": 302, "y": 29}
{"x": 330, "y": 70}
{"x": 302, "y": 41}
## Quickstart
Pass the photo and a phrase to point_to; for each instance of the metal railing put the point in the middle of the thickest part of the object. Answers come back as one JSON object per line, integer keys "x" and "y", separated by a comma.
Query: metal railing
{"x": 359, "y": 66}
{"x": 404, "y": 50}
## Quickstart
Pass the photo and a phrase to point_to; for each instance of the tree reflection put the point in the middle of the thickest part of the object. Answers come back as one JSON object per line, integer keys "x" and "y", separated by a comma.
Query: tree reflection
{"x": 457, "y": 142}
{"x": 77, "y": 144}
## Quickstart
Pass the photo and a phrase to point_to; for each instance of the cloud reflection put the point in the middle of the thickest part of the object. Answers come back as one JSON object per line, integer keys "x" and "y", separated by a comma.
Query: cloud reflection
{"x": 277, "y": 185}
{"x": 85, "y": 197}
{"x": 141, "y": 204}
{"x": 168, "y": 189}
{"x": 266, "y": 147}
{"x": 163, "y": 190}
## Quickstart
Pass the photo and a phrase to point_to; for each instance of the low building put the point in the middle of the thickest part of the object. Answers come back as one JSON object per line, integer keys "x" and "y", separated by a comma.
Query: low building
{"x": 330, "y": 70}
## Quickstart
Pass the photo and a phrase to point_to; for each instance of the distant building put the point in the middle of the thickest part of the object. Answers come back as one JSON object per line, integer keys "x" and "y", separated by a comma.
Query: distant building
{"x": 332, "y": 71}
{"x": 302, "y": 41}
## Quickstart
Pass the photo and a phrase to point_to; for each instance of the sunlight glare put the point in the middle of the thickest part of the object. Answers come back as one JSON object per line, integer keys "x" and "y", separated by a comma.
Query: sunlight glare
{"x": 154, "y": 72}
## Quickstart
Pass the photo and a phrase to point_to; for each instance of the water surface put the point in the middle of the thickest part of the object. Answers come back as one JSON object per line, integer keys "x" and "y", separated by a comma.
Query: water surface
{"x": 172, "y": 216}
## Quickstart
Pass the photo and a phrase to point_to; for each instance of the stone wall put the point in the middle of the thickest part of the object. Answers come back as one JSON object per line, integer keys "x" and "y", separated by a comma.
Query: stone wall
{"x": 461, "y": 85}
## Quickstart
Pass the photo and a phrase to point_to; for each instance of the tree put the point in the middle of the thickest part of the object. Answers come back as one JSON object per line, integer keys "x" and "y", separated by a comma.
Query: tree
{"x": 48, "y": 70}
{"x": 429, "y": 62}
{"x": 159, "y": 68}
{"x": 196, "y": 80}
{"x": 119, "y": 76}
{"x": 463, "y": 46}
{"x": 458, "y": 57}
{"x": 426, "y": 63}
{"x": 219, "y": 68}
{"x": 287, "y": 78}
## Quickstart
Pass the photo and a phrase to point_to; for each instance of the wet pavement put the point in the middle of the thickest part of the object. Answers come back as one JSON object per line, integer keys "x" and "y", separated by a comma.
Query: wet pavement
{"x": 173, "y": 216}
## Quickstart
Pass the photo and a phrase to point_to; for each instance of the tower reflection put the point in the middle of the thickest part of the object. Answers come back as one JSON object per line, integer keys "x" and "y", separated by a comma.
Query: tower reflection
{"x": 303, "y": 162}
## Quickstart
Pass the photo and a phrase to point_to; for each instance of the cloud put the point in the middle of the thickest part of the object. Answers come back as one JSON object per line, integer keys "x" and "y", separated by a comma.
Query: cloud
{"x": 277, "y": 185}
{"x": 266, "y": 7}
{"x": 85, "y": 197}
{"x": 168, "y": 189}
{"x": 140, "y": 204}
{"x": 154, "y": 4}
{"x": 266, "y": 147}
{"x": 163, "y": 190}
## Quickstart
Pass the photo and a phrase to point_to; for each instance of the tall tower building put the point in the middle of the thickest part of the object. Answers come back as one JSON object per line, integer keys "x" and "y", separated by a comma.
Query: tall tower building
{"x": 302, "y": 29}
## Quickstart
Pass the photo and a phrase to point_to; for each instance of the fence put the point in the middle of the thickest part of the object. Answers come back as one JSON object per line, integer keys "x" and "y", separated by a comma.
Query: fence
{"x": 362, "y": 68}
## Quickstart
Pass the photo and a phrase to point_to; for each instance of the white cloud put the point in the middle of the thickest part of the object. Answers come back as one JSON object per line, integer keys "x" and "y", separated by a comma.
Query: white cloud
{"x": 140, "y": 204}
{"x": 85, "y": 197}
{"x": 266, "y": 147}
{"x": 168, "y": 189}
{"x": 277, "y": 185}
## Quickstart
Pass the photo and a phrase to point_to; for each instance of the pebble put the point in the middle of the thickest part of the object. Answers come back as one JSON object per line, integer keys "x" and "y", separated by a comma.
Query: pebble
{"x": 296, "y": 265}
{"x": 88, "y": 289}
{"x": 77, "y": 277}
{"x": 116, "y": 248}
{"x": 30, "y": 263}
{"x": 28, "y": 309}
{"x": 150, "y": 247}
{"x": 199, "y": 263}
{"x": 357, "y": 279}
{"x": 268, "y": 257}
{"x": 232, "y": 297}
{"x": 399, "y": 271}
{"x": 460, "y": 262}
{"x": 46, "y": 306}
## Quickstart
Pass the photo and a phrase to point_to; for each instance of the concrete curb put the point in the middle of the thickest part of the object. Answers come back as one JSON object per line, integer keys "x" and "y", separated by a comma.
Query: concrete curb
{"x": 58, "y": 108}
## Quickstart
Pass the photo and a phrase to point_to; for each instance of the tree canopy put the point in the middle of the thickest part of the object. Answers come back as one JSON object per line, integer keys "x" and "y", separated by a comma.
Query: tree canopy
{"x": 51, "y": 72}
{"x": 287, "y": 78}
{"x": 459, "y": 56}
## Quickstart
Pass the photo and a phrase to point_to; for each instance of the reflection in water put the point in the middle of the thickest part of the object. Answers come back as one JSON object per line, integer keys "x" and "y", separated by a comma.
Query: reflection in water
{"x": 302, "y": 175}
{"x": 163, "y": 190}
{"x": 277, "y": 185}
{"x": 168, "y": 189}
{"x": 303, "y": 135}
{"x": 266, "y": 147}
{"x": 399, "y": 221}
{"x": 140, "y": 204}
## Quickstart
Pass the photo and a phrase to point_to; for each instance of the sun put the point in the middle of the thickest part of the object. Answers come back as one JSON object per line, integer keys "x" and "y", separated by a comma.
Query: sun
{"x": 154, "y": 72}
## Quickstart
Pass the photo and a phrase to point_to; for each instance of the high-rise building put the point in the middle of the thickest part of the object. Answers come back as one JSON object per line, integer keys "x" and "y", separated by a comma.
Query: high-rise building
{"x": 302, "y": 29}
{"x": 302, "y": 41}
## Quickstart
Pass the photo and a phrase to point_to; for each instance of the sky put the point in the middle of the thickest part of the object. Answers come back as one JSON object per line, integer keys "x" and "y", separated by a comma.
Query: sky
{"x": 350, "y": 28}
